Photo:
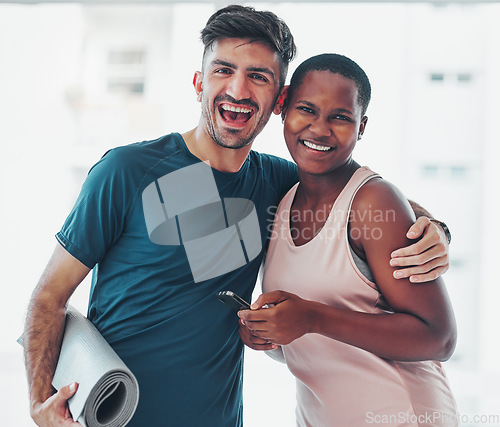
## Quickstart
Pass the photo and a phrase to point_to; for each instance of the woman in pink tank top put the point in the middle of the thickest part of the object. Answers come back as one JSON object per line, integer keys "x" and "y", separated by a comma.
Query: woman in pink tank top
{"x": 364, "y": 346}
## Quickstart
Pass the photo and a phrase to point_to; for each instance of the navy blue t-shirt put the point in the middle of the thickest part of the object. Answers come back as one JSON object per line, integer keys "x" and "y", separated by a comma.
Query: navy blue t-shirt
{"x": 166, "y": 324}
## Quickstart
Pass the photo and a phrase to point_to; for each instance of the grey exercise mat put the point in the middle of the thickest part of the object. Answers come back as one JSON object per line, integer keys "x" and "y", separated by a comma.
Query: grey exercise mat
{"x": 108, "y": 392}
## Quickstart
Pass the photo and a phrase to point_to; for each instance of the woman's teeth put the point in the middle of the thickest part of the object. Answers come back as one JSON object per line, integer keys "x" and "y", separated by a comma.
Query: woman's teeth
{"x": 316, "y": 147}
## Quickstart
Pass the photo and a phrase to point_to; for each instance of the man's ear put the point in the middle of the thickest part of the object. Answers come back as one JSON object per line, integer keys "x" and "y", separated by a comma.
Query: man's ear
{"x": 197, "y": 83}
{"x": 278, "y": 108}
{"x": 362, "y": 127}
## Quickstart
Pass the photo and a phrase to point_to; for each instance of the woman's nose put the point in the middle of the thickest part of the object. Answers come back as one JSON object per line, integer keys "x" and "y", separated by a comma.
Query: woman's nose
{"x": 320, "y": 127}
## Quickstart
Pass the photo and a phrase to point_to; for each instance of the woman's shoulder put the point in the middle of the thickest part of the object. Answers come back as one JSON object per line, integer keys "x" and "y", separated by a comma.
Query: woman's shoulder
{"x": 379, "y": 191}
{"x": 380, "y": 196}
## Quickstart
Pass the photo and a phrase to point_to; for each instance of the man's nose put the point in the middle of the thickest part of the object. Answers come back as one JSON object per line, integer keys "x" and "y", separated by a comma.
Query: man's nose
{"x": 238, "y": 87}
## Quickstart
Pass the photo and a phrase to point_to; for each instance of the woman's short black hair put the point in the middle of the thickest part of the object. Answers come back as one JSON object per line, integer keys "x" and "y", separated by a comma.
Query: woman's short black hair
{"x": 247, "y": 23}
{"x": 335, "y": 64}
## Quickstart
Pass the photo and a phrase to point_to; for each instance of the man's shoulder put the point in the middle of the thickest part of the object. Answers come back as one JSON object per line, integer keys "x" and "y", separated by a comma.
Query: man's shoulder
{"x": 140, "y": 156}
{"x": 267, "y": 161}
{"x": 277, "y": 173}
{"x": 153, "y": 150}
{"x": 132, "y": 164}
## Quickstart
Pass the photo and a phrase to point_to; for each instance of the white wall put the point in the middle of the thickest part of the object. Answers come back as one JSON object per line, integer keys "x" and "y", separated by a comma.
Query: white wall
{"x": 57, "y": 120}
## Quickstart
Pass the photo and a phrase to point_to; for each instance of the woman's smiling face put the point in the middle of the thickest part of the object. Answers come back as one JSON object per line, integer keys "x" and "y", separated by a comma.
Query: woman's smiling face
{"x": 322, "y": 122}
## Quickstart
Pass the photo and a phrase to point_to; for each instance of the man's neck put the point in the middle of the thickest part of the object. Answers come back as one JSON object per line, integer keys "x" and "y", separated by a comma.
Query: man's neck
{"x": 206, "y": 149}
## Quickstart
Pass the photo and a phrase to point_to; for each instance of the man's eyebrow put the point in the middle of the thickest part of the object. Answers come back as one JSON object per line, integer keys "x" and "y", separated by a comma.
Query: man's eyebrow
{"x": 264, "y": 70}
{"x": 224, "y": 63}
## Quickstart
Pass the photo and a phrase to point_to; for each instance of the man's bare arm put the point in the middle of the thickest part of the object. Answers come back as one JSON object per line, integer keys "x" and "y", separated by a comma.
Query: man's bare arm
{"x": 419, "y": 210}
{"x": 44, "y": 329}
{"x": 427, "y": 259}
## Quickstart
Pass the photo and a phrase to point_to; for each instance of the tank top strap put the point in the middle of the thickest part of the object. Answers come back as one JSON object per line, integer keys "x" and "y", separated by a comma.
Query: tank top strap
{"x": 342, "y": 206}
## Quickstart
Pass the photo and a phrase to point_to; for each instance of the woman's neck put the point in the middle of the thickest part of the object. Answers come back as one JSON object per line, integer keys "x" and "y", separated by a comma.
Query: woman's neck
{"x": 317, "y": 191}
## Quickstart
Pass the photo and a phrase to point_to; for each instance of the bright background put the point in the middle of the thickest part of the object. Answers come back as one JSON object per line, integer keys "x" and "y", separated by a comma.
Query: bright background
{"x": 76, "y": 80}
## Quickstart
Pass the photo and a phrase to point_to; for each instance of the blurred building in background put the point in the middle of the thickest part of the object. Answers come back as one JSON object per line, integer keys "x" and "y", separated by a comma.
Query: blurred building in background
{"x": 79, "y": 79}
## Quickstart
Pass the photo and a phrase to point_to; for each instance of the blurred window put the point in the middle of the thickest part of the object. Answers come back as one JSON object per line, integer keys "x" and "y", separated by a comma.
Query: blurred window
{"x": 126, "y": 71}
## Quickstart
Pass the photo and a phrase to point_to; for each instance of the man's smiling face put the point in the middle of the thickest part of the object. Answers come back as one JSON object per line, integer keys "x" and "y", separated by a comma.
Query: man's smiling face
{"x": 239, "y": 87}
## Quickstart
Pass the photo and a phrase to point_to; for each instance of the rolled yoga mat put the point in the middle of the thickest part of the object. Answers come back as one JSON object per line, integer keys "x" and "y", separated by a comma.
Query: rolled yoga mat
{"x": 108, "y": 392}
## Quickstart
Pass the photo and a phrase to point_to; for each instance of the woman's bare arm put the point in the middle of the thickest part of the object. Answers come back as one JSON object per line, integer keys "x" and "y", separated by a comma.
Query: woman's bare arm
{"x": 422, "y": 326}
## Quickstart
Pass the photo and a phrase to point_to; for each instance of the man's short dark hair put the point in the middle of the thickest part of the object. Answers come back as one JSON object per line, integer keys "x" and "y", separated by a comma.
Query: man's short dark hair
{"x": 335, "y": 64}
{"x": 247, "y": 23}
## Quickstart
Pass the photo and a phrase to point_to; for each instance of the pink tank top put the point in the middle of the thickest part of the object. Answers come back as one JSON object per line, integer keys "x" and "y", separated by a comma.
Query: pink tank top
{"x": 339, "y": 384}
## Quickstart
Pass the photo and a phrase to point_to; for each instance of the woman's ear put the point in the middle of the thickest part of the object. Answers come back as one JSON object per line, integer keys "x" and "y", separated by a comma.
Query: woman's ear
{"x": 362, "y": 127}
{"x": 197, "y": 83}
{"x": 278, "y": 108}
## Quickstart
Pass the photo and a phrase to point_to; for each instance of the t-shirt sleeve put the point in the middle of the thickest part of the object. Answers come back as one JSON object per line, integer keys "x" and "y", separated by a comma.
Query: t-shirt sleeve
{"x": 98, "y": 216}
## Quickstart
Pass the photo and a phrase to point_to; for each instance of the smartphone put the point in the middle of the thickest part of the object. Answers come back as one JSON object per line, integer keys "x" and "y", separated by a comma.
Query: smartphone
{"x": 232, "y": 300}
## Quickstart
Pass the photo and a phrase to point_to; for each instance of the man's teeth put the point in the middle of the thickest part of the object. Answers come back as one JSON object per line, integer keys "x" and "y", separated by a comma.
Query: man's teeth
{"x": 236, "y": 109}
{"x": 316, "y": 147}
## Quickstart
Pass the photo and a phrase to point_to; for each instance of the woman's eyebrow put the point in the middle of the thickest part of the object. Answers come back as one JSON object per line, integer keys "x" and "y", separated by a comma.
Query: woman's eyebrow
{"x": 303, "y": 101}
{"x": 335, "y": 110}
{"x": 342, "y": 110}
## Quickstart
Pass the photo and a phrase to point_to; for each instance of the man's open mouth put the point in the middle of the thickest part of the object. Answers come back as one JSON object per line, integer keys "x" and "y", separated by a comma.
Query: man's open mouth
{"x": 236, "y": 115}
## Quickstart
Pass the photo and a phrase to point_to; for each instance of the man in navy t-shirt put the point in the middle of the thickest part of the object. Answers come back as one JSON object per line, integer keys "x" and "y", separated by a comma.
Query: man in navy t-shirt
{"x": 164, "y": 225}
{"x": 153, "y": 291}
